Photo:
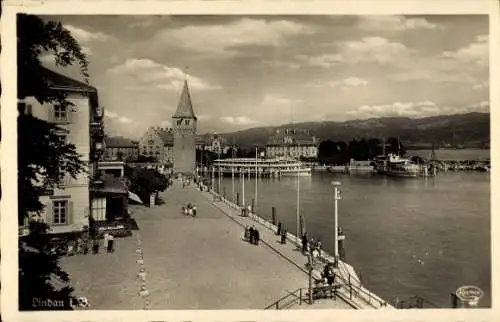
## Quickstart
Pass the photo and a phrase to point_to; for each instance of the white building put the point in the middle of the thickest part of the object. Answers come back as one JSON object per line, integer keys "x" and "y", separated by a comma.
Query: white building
{"x": 67, "y": 206}
{"x": 292, "y": 143}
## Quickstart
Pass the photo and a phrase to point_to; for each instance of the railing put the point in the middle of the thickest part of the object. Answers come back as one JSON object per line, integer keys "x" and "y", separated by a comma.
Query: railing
{"x": 414, "y": 302}
{"x": 292, "y": 297}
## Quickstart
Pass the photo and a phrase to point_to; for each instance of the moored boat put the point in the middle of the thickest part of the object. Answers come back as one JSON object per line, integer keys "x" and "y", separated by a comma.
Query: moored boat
{"x": 262, "y": 167}
{"x": 394, "y": 165}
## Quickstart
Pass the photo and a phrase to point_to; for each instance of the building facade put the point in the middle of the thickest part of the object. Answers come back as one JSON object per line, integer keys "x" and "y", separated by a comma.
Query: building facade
{"x": 184, "y": 123}
{"x": 120, "y": 149}
{"x": 67, "y": 205}
{"x": 292, "y": 143}
{"x": 157, "y": 142}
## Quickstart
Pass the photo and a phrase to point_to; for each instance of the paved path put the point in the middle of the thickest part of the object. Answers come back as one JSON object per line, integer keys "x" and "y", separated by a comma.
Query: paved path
{"x": 190, "y": 263}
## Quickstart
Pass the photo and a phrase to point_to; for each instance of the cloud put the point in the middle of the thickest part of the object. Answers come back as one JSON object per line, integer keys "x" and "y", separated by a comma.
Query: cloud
{"x": 414, "y": 109}
{"x": 125, "y": 120}
{"x": 238, "y": 120}
{"x": 115, "y": 117}
{"x": 166, "y": 124}
{"x": 147, "y": 73}
{"x": 366, "y": 50}
{"x": 271, "y": 100}
{"x": 141, "y": 22}
{"x": 223, "y": 39}
{"x": 393, "y": 23}
{"x": 345, "y": 84}
{"x": 372, "y": 49}
{"x": 464, "y": 65}
{"x": 474, "y": 53}
{"x": 85, "y": 36}
{"x": 482, "y": 85}
{"x": 324, "y": 60}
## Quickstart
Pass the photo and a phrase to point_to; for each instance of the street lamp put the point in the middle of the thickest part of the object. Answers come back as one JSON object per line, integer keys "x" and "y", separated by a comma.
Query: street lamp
{"x": 336, "y": 198}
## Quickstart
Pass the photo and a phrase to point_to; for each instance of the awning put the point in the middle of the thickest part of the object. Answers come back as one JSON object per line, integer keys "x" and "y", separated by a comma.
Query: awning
{"x": 132, "y": 196}
{"x": 110, "y": 186}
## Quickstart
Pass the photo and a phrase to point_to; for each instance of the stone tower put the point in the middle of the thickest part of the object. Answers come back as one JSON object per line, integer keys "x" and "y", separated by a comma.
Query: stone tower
{"x": 184, "y": 125}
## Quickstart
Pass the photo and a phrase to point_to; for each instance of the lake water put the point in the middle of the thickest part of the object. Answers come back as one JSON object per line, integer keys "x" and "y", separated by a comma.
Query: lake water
{"x": 406, "y": 237}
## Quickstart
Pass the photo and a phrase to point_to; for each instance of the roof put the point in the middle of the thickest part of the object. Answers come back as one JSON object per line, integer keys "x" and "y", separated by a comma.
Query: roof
{"x": 59, "y": 81}
{"x": 119, "y": 142}
{"x": 185, "y": 106}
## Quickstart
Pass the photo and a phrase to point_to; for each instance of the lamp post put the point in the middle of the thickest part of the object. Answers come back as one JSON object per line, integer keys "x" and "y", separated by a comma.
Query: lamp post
{"x": 213, "y": 177}
{"x": 232, "y": 171}
{"x": 243, "y": 187}
{"x": 256, "y": 179}
{"x": 336, "y": 198}
{"x": 298, "y": 207}
{"x": 218, "y": 189}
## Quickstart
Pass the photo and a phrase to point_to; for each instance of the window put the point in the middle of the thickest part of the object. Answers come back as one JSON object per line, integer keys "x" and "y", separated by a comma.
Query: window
{"x": 186, "y": 122}
{"x": 60, "y": 212}
{"x": 60, "y": 113}
{"x": 179, "y": 122}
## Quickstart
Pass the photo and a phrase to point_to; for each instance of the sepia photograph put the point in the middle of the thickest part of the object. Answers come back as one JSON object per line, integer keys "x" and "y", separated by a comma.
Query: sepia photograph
{"x": 253, "y": 162}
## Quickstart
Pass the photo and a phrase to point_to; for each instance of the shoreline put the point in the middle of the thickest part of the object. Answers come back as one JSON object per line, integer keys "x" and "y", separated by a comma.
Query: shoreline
{"x": 352, "y": 290}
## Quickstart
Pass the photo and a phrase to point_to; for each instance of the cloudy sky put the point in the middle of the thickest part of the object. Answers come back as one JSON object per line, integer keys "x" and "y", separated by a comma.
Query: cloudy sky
{"x": 247, "y": 71}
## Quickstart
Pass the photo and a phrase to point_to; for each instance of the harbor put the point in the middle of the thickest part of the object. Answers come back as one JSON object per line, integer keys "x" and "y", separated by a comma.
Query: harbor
{"x": 405, "y": 238}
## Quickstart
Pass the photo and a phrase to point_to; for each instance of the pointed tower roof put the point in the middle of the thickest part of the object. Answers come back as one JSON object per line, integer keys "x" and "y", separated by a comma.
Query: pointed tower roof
{"x": 185, "y": 107}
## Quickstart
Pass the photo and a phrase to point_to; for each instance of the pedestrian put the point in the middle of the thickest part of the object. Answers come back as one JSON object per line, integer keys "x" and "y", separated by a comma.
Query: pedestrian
{"x": 257, "y": 237}
{"x": 95, "y": 246}
{"x": 106, "y": 240}
{"x": 283, "y": 236}
{"x": 246, "y": 236}
{"x": 312, "y": 244}
{"x": 318, "y": 247}
{"x": 194, "y": 210}
{"x": 251, "y": 232}
{"x": 111, "y": 240}
{"x": 304, "y": 243}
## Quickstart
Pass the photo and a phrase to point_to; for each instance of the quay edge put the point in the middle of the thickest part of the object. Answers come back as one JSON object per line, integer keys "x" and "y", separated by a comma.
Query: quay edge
{"x": 352, "y": 291}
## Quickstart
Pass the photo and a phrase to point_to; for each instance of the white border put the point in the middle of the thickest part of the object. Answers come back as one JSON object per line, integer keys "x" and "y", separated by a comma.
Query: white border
{"x": 9, "y": 159}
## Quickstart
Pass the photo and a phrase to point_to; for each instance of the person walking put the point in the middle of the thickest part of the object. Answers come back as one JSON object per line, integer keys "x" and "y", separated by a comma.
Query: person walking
{"x": 111, "y": 240}
{"x": 194, "y": 210}
{"x": 318, "y": 247}
{"x": 283, "y": 236}
{"x": 304, "y": 243}
{"x": 106, "y": 240}
{"x": 257, "y": 237}
{"x": 251, "y": 233}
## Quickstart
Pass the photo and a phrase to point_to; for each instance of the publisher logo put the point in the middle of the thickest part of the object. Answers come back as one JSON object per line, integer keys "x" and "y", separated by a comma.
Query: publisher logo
{"x": 470, "y": 294}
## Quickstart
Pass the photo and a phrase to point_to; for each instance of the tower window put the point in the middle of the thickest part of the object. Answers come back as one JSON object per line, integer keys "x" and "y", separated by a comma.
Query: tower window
{"x": 179, "y": 122}
{"x": 186, "y": 122}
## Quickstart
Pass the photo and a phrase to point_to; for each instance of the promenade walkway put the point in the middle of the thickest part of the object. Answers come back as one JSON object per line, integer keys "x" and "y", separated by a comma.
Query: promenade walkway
{"x": 189, "y": 263}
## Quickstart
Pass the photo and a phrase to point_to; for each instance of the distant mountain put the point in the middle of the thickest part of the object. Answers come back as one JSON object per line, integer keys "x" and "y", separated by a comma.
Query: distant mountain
{"x": 469, "y": 130}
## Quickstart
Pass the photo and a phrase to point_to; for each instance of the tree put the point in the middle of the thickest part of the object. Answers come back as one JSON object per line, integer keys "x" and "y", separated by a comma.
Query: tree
{"x": 43, "y": 159}
{"x": 144, "y": 182}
